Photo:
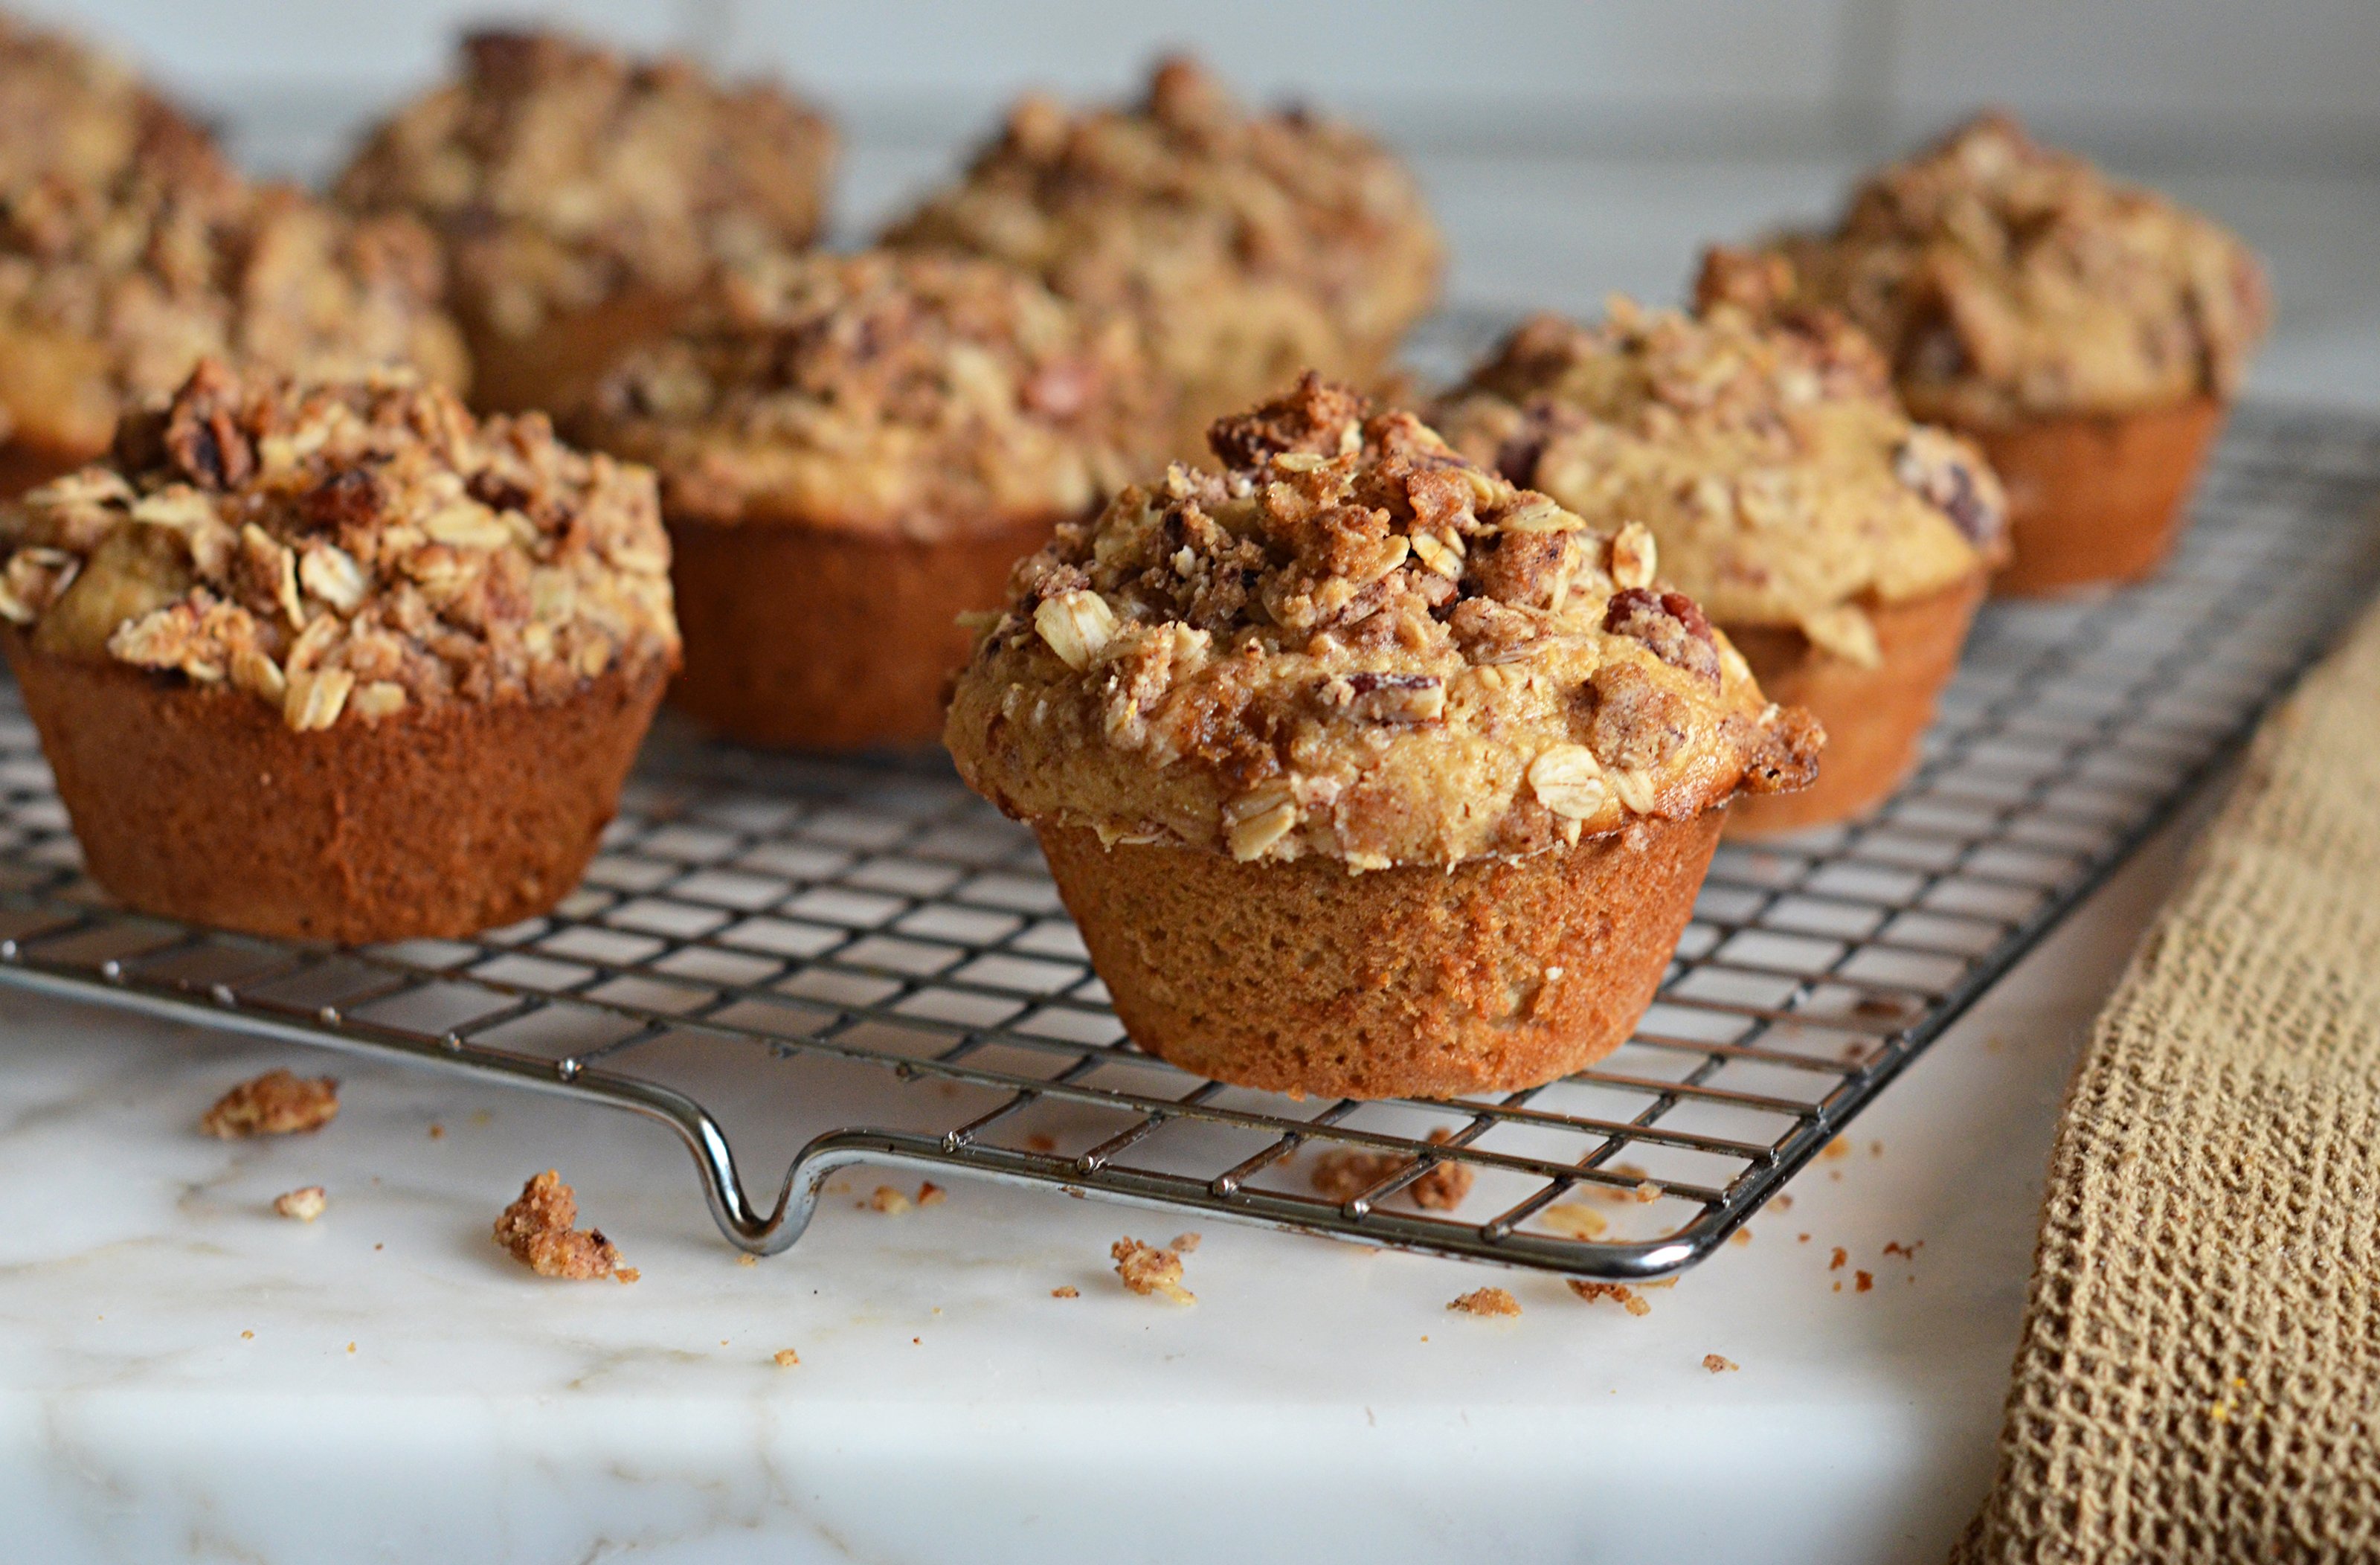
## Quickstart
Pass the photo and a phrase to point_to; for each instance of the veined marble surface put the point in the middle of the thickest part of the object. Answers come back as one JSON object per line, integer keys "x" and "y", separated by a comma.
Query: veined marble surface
{"x": 186, "y": 1375}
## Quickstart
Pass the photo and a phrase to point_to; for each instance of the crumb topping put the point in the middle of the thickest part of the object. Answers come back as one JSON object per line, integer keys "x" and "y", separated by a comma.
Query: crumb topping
{"x": 1249, "y": 246}
{"x": 2006, "y": 279}
{"x": 345, "y": 551}
{"x": 883, "y": 390}
{"x": 1353, "y": 642}
{"x": 1769, "y": 459}
{"x": 303, "y": 1205}
{"x": 538, "y": 1229}
{"x": 1487, "y": 1301}
{"x": 277, "y": 1103}
{"x": 1146, "y": 1270}
{"x": 560, "y": 175}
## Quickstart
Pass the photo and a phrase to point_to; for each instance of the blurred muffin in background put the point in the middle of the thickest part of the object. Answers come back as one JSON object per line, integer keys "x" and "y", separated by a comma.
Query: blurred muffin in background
{"x": 1249, "y": 247}
{"x": 582, "y": 197}
{"x": 853, "y": 451}
{"x": 1766, "y": 470}
{"x": 2088, "y": 332}
{"x": 129, "y": 248}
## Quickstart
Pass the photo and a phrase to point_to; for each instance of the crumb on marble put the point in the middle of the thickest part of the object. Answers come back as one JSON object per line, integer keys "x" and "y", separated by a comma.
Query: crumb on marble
{"x": 1718, "y": 1363}
{"x": 1840, "y": 1146}
{"x": 1906, "y": 1252}
{"x": 629, "y": 1274}
{"x": 1647, "y": 1191}
{"x": 303, "y": 1205}
{"x": 437, "y": 1131}
{"x": 748, "y": 1258}
{"x": 1575, "y": 1221}
{"x": 1486, "y": 1301}
{"x": 1066, "y": 1292}
{"x": 1040, "y": 1141}
{"x": 889, "y": 1201}
{"x": 1185, "y": 1243}
{"x": 248, "y": 1336}
{"x": 1862, "y": 1282}
{"x": 1342, "y": 1173}
{"x": 1835, "y": 1263}
{"x": 538, "y": 1230}
{"x": 786, "y": 1358}
{"x": 351, "y": 1347}
{"x": 1145, "y": 1268}
{"x": 277, "y": 1103}
{"x": 932, "y": 1195}
{"x": 1783, "y": 1201}
{"x": 1619, "y": 1292}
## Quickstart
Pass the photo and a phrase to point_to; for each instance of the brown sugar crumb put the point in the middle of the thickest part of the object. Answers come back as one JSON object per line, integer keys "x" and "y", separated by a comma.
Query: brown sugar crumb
{"x": 1487, "y": 1301}
{"x": 1065, "y": 1293}
{"x": 1185, "y": 1243}
{"x": 1147, "y": 1269}
{"x": 1619, "y": 1292}
{"x": 1574, "y": 1220}
{"x": 538, "y": 1230}
{"x": 1344, "y": 1173}
{"x": 932, "y": 1195}
{"x": 1718, "y": 1364}
{"x": 1037, "y": 1142}
{"x": 1862, "y": 1282}
{"x": 1906, "y": 1252}
{"x": 1835, "y": 1263}
{"x": 785, "y": 1358}
{"x": 889, "y": 1201}
{"x": 304, "y": 1204}
{"x": 277, "y": 1103}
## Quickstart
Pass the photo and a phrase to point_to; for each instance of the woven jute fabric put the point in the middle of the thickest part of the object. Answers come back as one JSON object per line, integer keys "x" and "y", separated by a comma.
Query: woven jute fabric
{"x": 2200, "y": 1363}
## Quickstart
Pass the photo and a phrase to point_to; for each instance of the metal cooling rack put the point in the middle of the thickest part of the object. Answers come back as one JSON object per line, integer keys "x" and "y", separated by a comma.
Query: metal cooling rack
{"x": 840, "y": 964}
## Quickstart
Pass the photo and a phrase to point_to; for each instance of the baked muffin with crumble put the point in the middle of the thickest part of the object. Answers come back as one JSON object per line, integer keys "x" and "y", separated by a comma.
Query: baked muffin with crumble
{"x": 334, "y": 659}
{"x": 583, "y": 197}
{"x": 853, "y": 451}
{"x": 1362, "y": 770}
{"x": 129, "y": 249}
{"x": 1842, "y": 547}
{"x": 2088, "y": 332}
{"x": 1249, "y": 247}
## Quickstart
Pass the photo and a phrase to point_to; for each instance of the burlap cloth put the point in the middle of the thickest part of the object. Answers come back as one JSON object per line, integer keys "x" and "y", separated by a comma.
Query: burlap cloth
{"x": 2199, "y": 1373}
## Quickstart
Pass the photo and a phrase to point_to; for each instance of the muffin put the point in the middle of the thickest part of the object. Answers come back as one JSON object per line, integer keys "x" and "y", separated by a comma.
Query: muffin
{"x": 1249, "y": 247}
{"x": 333, "y": 661}
{"x": 853, "y": 451}
{"x": 2088, "y": 333}
{"x": 583, "y": 199}
{"x": 1361, "y": 770}
{"x": 1843, "y": 548}
{"x": 129, "y": 249}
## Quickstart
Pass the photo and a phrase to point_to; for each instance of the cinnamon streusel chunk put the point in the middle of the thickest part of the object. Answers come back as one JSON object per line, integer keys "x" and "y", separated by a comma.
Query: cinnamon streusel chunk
{"x": 538, "y": 1229}
{"x": 277, "y": 1103}
{"x": 1249, "y": 247}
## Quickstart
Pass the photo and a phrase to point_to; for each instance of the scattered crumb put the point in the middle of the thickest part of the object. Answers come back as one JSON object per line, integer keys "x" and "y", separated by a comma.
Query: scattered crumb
{"x": 1782, "y": 1202}
{"x": 1065, "y": 1293}
{"x": 1862, "y": 1282}
{"x": 1906, "y": 1252}
{"x": 628, "y": 1274}
{"x": 1718, "y": 1364}
{"x": 1487, "y": 1301}
{"x": 786, "y": 1358}
{"x": 1741, "y": 1236}
{"x": 380, "y": 1246}
{"x": 248, "y": 1336}
{"x": 1801, "y": 1239}
{"x": 1185, "y": 1243}
{"x": 1342, "y": 1173}
{"x": 1619, "y": 1292}
{"x": 748, "y": 1258}
{"x": 1840, "y": 1146}
{"x": 277, "y": 1103}
{"x": 889, "y": 1201}
{"x": 1839, "y": 1287}
{"x": 1875, "y": 1148}
{"x": 1040, "y": 1142}
{"x": 1840, "y": 1257}
{"x": 1648, "y": 1190}
{"x": 305, "y": 1204}
{"x": 1574, "y": 1220}
{"x": 932, "y": 1195}
{"x": 437, "y": 1131}
{"x": 351, "y": 1347}
{"x": 1662, "y": 1282}
{"x": 1147, "y": 1269}
{"x": 537, "y": 1230}
{"x": 838, "y": 1187}
{"x": 481, "y": 1117}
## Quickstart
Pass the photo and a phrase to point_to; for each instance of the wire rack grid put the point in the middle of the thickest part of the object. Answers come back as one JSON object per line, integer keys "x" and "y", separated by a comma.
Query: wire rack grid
{"x": 840, "y": 964}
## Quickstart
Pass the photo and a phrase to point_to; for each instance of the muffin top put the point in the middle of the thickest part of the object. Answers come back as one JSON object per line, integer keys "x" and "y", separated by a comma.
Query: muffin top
{"x": 344, "y": 552}
{"x": 129, "y": 249}
{"x": 1771, "y": 460}
{"x": 560, "y": 174}
{"x": 883, "y": 391}
{"x": 2006, "y": 280}
{"x": 1277, "y": 236}
{"x": 1353, "y": 642}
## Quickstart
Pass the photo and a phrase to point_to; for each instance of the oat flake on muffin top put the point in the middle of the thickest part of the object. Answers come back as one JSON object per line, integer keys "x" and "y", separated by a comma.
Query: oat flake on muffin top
{"x": 560, "y": 174}
{"x": 1771, "y": 461}
{"x": 1353, "y": 642}
{"x": 883, "y": 391}
{"x": 2006, "y": 280}
{"x": 344, "y": 551}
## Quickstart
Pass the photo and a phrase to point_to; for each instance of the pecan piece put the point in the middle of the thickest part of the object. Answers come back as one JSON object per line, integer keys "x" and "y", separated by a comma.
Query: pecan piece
{"x": 1672, "y": 623}
{"x": 1390, "y": 697}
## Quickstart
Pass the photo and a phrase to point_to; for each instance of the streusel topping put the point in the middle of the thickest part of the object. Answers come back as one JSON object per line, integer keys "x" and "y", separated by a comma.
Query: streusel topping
{"x": 342, "y": 552}
{"x": 560, "y": 174}
{"x": 1353, "y": 642}
{"x": 76, "y": 117}
{"x": 2008, "y": 280}
{"x": 1250, "y": 246}
{"x": 884, "y": 390}
{"x": 1771, "y": 462}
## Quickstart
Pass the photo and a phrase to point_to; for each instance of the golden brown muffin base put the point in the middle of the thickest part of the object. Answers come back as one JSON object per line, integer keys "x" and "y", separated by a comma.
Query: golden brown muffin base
{"x": 1416, "y": 981}
{"x": 830, "y": 639}
{"x": 1874, "y": 718}
{"x": 555, "y": 367}
{"x": 198, "y": 803}
{"x": 2095, "y": 500}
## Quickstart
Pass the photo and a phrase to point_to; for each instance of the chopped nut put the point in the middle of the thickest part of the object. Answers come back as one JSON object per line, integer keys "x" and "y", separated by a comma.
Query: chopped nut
{"x": 313, "y": 700}
{"x": 305, "y": 1204}
{"x": 1619, "y": 1292}
{"x": 1487, "y": 1301}
{"x": 785, "y": 1358}
{"x": 1076, "y": 625}
{"x": 1258, "y": 818}
{"x": 1568, "y": 780}
{"x": 1146, "y": 1270}
{"x": 1718, "y": 1365}
{"x": 277, "y": 1103}
{"x": 1634, "y": 558}
{"x": 538, "y": 1230}
{"x": 1396, "y": 697}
